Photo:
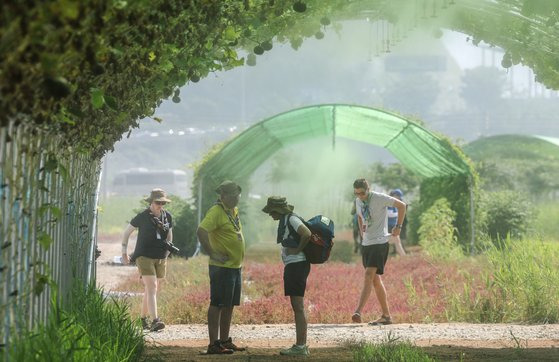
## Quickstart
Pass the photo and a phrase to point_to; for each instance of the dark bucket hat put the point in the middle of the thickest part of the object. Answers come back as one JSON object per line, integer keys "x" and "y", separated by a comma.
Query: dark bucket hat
{"x": 228, "y": 187}
{"x": 278, "y": 204}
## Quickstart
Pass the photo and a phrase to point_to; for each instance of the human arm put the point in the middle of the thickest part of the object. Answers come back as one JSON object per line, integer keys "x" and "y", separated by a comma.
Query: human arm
{"x": 126, "y": 235}
{"x": 204, "y": 238}
{"x": 304, "y": 237}
{"x": 401, "y": 207}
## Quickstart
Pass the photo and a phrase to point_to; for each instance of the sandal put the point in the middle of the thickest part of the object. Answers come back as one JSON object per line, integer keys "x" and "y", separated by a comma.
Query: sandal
{"x": 382, "y": 321}
{"x": 356, "y": 318}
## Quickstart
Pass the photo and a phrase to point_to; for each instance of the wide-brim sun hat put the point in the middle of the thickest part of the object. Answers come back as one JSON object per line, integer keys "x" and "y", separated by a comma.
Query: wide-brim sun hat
{"x": 278, "y": 204}
{"x": 157, "y": 195}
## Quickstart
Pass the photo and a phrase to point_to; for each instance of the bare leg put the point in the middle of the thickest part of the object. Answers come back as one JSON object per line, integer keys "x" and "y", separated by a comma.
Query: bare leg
{"x": 298, "y": 305}
{"x": 225, "y": 322}
{"x": 380, "y": 291}
{"x": 397, "y": 245}
{"x": 367, "y": 287}
{"x": 150, "y": 289}
{"x": 145, "y": 312}
{"x": 214, "y": 314}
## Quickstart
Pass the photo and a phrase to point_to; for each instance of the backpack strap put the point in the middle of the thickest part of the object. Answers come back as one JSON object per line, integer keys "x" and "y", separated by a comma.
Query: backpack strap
{"x": 292, "y": 232}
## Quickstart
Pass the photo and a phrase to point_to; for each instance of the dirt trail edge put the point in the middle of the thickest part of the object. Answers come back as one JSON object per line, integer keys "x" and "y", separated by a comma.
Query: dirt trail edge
{"x": 331, "y": 335}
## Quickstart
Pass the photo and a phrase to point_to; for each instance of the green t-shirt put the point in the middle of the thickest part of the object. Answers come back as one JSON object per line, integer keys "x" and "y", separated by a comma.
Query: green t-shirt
{"x": 226, "y": 235}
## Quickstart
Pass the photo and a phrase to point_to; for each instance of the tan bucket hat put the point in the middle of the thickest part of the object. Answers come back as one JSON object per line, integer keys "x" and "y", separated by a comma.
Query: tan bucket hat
{"x": 157, "y": 195}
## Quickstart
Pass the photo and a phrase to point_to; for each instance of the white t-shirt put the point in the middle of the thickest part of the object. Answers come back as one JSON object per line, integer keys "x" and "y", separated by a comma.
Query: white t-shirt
{"x": 288, "y": 259}
{"x": 376, "y": 231}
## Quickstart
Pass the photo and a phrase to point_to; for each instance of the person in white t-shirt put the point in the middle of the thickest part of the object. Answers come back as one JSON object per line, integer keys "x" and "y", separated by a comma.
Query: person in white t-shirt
{"x": 293, "y": 235}
{"x": 372, "y": 214}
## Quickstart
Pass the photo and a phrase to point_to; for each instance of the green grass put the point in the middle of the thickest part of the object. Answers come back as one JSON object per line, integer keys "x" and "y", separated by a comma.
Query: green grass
{"x": 116, "y": 212}
{"x": 520, "y": 285}
{"x": 90, "y": 327}
{"x": 546, "y": 224}
{"x": 390, "y": 351}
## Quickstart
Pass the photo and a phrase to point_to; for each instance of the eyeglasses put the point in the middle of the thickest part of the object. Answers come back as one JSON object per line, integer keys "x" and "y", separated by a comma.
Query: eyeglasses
{"x": 360, "y": 193}
{"x": 160, "y": 202}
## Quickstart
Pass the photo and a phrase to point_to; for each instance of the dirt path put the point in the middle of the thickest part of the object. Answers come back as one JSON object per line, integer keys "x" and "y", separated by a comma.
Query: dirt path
{"x": 330, "y": 342}
{"x": 109, "y": 275}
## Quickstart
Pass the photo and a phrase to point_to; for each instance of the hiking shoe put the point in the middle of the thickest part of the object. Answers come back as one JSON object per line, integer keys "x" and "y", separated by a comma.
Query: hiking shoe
{"x": 228, "y": 344}
{"x": 356, "y": 318}
{"x": 217, "y": 348}
{"x": 156, "y": 325}
{"x": 145, "y": 323}
{"x": 295, "y": 350}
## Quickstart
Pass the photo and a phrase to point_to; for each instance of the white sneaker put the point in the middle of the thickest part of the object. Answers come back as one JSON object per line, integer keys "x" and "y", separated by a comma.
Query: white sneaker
{"x": 295, "y": 350}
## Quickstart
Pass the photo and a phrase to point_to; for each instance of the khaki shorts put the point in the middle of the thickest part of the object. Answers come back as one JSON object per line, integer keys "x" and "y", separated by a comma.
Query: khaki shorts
{"x": 149, "y": 266}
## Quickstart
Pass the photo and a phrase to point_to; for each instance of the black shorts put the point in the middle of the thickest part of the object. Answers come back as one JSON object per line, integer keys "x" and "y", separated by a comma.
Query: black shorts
{"x": 295, "y": 278}
{"x": 375, "y": 256}
{"x": 225, "y": 286}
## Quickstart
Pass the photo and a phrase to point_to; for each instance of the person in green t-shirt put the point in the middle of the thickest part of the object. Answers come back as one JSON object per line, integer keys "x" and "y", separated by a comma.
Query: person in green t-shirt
{"x": 221, "y": 235}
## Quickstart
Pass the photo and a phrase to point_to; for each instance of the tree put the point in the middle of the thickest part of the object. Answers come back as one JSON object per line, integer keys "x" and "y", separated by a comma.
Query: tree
{"x": 393, "y": 176}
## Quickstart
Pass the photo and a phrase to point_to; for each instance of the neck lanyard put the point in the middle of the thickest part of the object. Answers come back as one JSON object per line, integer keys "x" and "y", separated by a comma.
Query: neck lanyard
{"x": 236, "y": 221}
{"x": 366, "y": 210}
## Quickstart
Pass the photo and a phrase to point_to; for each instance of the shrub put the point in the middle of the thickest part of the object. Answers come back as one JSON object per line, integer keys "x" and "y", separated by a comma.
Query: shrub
{"x": 437, "y": 232}
{"x": 184, "y": 226}
{"x": 506, "y": 213}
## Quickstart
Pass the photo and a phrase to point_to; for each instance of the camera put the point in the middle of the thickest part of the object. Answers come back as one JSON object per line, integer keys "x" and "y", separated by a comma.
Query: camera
{"x": 167, "y": 245}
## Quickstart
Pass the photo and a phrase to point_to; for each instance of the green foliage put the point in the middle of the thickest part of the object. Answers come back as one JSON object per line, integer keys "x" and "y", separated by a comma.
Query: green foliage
{"x": 456, "y": 191}
{"x": 342, "y": 251}
{"x": 393, "y": 176}
{"x": 390, "y": 351}
{"x": 184, "y": 226}
{"x": 515, "y": 162}
{"x": 90, "y": 327}
{"x": 91, "y": 70}
{"x": 521, "y": 285}
{"x": 459, "y": 191}
{"x": 437, "y": 231}
{"x": 545, "y": 224}
{"x": 506, "y": 213}
{"x": 115, "y": 213}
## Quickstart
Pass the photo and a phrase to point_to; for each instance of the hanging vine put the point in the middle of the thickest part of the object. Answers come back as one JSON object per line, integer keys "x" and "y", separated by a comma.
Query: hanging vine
{"x": 90, "y": 70}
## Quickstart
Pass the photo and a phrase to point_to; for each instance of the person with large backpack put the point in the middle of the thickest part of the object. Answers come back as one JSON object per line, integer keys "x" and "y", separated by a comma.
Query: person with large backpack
{"x": 372, "y": 210}
{"x": 293, "y": 235}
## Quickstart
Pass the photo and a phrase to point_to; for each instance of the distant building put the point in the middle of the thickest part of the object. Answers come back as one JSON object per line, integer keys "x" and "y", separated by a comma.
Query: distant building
{"x": 139, "y": 181}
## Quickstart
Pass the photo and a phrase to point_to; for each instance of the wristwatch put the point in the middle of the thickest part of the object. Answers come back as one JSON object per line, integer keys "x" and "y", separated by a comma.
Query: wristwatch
{"x": 399, "y": 226}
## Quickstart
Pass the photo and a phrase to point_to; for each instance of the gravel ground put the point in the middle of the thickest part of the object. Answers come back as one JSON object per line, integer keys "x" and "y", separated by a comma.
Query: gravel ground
{"x": 478, "y": 335}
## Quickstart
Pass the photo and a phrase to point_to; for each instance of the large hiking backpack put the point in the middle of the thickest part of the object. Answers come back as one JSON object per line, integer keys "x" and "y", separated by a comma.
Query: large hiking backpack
{"x": 320, "y": 243}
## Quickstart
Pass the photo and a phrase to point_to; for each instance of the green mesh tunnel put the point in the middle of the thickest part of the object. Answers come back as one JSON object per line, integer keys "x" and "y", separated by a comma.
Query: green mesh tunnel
{"x": 416, "y": 148}
{"x": 419, "y": 150}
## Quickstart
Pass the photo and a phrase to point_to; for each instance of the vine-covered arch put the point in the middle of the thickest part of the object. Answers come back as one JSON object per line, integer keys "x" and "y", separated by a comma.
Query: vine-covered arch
{"x": 416, "y": 148}
{"x": 85, "y": 73}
